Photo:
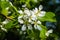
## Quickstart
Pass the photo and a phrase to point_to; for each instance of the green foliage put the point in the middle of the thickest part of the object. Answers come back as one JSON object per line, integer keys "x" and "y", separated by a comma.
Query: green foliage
{"x": 42, "y": 34}
{"x": 50, "y": 16}
{"x": 9, "y": 25}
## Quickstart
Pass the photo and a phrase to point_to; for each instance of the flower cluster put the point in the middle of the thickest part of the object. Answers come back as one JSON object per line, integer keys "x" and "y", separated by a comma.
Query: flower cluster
{"x": 30, "y": 17}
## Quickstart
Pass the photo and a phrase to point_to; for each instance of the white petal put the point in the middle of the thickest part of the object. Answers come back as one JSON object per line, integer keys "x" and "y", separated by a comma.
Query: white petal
{"x": 23, "y": 28}
{"x": 30, "y": 20}
{"x": 4, "y": 29}
{"x": 21, "y": 21}
{"x": 38, "y": 27}
{"x": 35, "y": 26}
{"x": 25, "y": 16}
{"x": 20, "y": 11}
{"x": 38, "y": 22}
{"x": 5, "y": 22}
{"x": 42, "y": 13}
{"x": 32, "y": 12}
{"x": 34, "y": 17}
{"x": 35, "y": 10}
{"x": 20, "y": 17}
{"x": 27, "y": 12}
{"x": 40, "y": 7}
{"x": 50, "y": 31}
{"x": 47, "y": 34}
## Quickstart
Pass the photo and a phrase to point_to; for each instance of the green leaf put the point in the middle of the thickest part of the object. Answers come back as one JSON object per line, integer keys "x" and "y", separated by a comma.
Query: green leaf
{"x": 50, "y": 15}
{"x": 4, "y": 4}
{"x": 42, "y": 34}
{"x": 5, "y": 12}
{"x": 9, "y": 25}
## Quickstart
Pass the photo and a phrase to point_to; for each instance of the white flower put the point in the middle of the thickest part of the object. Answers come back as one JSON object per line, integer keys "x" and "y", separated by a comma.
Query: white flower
{"x": 30, "y": 21}
{"x": 25, "y": 16}
{"x": 38, "y": 27}
{"x": 30, "y": 16}
{"x": 21, "y": 16}
{"x": 48, "y": 32}
{"x": 4, "y": 29}
{"x": 5, "y": 22}
{"x": 27, "y": 12}
{"x": 40, "y": 7}
{"x": 33, "y": 17}
{"x": 32, "y": 12}
{"x": 37, "y": 22}
{"x": 20, "y": 21}
{"x": 42, "y": 13}
{"x": 20, "y": 11}
{"x": 23, "y": 28}
{"x": 35, "y": 10}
